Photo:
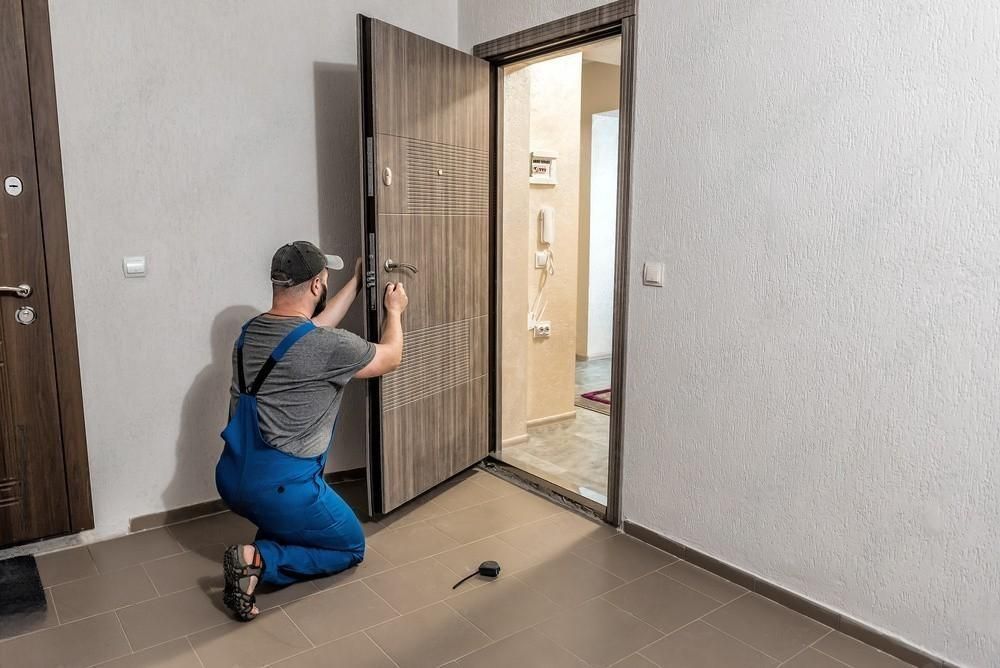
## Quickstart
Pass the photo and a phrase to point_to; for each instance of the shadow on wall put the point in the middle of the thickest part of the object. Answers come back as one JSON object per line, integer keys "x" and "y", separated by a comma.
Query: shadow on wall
{"x": 338, "y": 178}
{"x": 206, "y": 406}
{"x": 204, "y": 414}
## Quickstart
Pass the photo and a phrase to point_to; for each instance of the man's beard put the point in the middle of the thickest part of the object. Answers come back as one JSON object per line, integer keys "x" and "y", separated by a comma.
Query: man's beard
{"x": 321, "y": 304}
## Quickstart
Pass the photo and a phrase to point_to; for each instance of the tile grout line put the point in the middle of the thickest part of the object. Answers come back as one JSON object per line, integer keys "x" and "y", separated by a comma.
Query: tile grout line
{"x": 744, "y": 593}
{"x": 447, "y": 602}
{"x": 373, "y": 641}
{"x": 194, "y": 651}
{"x": 151, "y": 647}
{"x": 55, "y": 609}
{"x": 849, "y": 665}
{"x": 660, "y": 631}
{"x": 131, "y": 649}
{"x": 516, "y": 526}
{"x": 756, "y": 649}
{"x": 872, "y": 647}
{"x": 81, "y": 619}
{"x": 459, "y": 510}
{"x": 626, "y": 580}
{"x": 799, "y": 653}
{"x": 460, "y": 544}
{"x": 694, "y": 621}
{"x": 514, "y": 491}
{"x": 372, "y": 590}
{"x": 297, "y": 628}
{"x": 707, "y": 623}
{"x": 627, "y": 583}
{"x": 665, "y": 636}
{"x": 149, "y": 577}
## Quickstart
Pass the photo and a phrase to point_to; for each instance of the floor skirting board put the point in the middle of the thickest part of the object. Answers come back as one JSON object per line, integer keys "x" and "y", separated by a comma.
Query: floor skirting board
{"x": 549, "y": 419}
{"x": 789, "y": 599}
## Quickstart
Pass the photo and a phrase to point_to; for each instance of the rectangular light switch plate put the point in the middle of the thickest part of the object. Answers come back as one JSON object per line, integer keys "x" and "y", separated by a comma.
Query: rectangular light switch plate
{"x": 135, "y": 266}
{"x": 652, "y": 274}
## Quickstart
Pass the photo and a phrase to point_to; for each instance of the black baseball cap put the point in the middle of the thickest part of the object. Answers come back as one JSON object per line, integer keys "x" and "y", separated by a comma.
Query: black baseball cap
{"x": 299, "y": 262}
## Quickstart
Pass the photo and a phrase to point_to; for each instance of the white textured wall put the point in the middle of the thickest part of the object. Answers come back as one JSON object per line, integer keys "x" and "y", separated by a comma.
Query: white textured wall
{"x": 550, "y": 386}
{"x": 601, "y": 83}
{"x": 813, "y": 396}
{"x": 603, "y": 205}
{"x": 203, "y": 134}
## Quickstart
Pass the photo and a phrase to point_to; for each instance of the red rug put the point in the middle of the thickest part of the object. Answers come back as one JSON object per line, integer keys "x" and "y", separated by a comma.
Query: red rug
{"x": 598, "y": 400}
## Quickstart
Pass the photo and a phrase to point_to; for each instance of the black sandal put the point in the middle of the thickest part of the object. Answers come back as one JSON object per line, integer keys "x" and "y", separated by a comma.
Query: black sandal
{"x": 238, "y": 581}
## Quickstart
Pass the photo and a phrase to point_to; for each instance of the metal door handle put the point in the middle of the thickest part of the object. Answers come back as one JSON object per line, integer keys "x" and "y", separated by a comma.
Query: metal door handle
{"x": 22, "y": 291}
{"x": 392, "y": 265}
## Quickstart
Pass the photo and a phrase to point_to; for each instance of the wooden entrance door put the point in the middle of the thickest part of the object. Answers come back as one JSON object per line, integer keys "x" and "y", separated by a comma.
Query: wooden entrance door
{"x": 33, "y": 492}
{"x": 425, "y": 138}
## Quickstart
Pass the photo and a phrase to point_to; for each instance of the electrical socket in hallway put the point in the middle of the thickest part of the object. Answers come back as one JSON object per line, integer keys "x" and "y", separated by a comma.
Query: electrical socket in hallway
{"x": 543, "y": 329}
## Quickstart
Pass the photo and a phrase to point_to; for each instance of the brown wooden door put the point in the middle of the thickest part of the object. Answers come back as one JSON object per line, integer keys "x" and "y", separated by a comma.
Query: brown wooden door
{"x": 33, "y": 498}
{"x": 425, "y": 139}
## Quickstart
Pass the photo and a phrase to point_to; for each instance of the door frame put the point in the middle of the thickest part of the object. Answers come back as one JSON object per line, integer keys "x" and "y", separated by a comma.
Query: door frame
{"x": 617, "y": 18}
{"x": 48, "y": 166}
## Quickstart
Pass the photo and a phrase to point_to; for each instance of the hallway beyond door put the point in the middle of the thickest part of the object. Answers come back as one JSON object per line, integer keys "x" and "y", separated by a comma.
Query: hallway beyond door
{"x": 573, "y": 453}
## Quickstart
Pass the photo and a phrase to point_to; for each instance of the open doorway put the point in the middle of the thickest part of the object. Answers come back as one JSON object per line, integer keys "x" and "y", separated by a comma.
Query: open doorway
{"x": 559, "y": 126}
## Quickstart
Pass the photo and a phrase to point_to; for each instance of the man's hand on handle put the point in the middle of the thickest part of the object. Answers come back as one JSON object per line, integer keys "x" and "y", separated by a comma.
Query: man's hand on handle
{"x": 395, "y": 298}
{"x": 389, "y": 350}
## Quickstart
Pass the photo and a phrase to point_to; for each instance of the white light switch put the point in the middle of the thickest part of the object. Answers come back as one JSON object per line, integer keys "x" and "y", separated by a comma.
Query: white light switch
{"x": 134, "y": 267}
{"x": 652, "y": 274}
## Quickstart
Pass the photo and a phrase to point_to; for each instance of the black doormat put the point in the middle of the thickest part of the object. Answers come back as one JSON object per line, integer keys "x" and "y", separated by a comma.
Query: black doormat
{"x": 21, "y": 590}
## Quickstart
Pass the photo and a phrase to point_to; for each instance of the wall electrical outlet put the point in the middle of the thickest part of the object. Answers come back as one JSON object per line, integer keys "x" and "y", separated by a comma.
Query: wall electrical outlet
{"x": 543, "y": 329}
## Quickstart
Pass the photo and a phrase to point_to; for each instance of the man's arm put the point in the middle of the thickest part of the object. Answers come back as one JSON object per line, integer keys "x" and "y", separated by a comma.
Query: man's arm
{"x": 337, "y": 305}
{"x": 389, "y": 349}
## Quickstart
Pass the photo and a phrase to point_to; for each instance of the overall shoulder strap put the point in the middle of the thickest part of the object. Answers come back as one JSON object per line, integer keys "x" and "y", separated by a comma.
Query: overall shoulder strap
{"x": 290, "y": 340}
{"x": 239, "y": 355}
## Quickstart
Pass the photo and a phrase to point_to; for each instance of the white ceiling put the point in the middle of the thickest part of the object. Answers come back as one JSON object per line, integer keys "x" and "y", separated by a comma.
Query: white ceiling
{"x": 608, "y": 51}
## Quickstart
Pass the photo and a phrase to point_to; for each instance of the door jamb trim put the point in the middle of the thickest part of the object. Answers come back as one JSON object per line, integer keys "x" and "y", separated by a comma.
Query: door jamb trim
{"x": 599, "y": 23}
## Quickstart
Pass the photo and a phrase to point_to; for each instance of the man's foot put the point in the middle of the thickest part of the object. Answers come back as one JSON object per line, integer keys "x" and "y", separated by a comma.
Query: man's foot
{"x": 242, "y": 566}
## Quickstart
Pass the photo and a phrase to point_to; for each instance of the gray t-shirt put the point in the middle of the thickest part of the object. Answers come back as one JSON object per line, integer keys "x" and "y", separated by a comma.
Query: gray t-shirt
{"x": 299, "y": 401}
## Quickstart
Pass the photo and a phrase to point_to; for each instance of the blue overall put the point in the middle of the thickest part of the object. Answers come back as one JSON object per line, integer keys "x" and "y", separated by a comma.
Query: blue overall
{"x": 305, "y": 529}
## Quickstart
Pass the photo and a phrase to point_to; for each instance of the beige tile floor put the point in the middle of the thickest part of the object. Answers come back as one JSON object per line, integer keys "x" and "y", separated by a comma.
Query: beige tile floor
{"x": 571, "y": 453}
{"x": 572, "y": 593}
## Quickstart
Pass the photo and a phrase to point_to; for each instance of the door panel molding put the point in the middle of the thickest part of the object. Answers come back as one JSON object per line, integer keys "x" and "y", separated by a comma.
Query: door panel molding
{"x": 412, "y": 470}
{"x": 438, "y": 358}
{"x": 433, "y": 179}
